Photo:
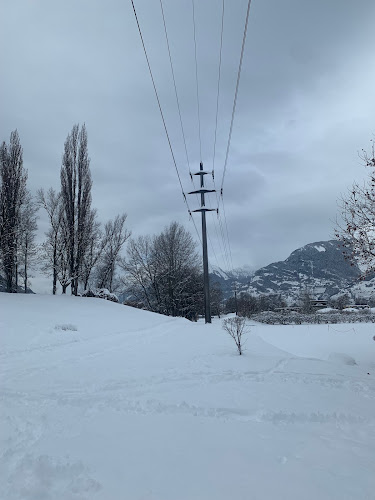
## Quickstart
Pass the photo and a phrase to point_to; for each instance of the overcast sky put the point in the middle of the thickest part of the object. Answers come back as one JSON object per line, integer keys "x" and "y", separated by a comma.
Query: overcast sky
{"x": 306, "y": 106}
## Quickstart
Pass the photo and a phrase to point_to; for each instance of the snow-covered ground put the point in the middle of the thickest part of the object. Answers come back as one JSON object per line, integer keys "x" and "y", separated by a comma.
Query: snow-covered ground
{"x": 102, "y": 401}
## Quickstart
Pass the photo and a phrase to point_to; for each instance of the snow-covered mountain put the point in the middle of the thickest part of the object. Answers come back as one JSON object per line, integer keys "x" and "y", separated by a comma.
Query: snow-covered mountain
{"x": 320, "y": 267}
{"x": 227, "y": 279}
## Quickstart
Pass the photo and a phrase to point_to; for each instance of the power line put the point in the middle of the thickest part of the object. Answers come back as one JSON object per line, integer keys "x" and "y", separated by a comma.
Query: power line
{"x": 176, "y": 93}
{"x": 221, "y": 243}
{"x": 224, "y": 245}
{"x": 157, "y": 98}
{"x": 197, "y": 92}
{"x": 225, "y": 239}
{"x": 179, "y": 110}
{"x": 225, "y": 252}
{"x": 195, "y": 226}
{"x": 213, "y": 249}
{"x": 162, "y": 115}
{"x": 236, "y": 92}
{"x": 197, "y": 85}
{"x": 174, "y": 83}
{"x": 226, "y": 227}
{"x": 231, "y": 126}
{"x": 218, "y": 84}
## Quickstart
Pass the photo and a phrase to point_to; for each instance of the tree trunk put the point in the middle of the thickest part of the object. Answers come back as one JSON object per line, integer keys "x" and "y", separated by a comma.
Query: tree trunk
{"x": 16, "y": 275}
{"x": 54, "y": 282}
{"x": 25, "y": 271}
{"x": 9, "y": 280}
{"x": 25, "y": 265}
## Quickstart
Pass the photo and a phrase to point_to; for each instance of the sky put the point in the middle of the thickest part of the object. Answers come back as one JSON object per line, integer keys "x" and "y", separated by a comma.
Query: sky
{"x": 306, "y": 106}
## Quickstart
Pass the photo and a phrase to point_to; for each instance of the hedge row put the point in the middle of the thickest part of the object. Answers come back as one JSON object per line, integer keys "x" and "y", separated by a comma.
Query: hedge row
{"x": 296, "y": 318}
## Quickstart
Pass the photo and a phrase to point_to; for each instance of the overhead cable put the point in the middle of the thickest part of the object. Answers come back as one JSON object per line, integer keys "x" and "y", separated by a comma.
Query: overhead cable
{"x": 236, "y": 92}
{"x": 162, "y": 115}
{"x": 174, "y": 83}
{"x": 218, "y": 84}
{"x": 158, "y": 100}
{"x": 197, "y": 85}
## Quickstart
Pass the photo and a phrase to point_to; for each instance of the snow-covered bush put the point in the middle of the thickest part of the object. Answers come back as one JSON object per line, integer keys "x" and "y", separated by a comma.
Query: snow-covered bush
{"x": 297, "y": 318}
{"x": 101, "y": 293}
{"x": 66, "y": 327}
{"x": 104, "y": 293}
{"x": 235, "y": 327}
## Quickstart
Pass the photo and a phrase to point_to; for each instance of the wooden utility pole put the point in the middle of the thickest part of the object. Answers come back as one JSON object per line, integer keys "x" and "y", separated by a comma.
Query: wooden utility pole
{"x": 203, "y": 210}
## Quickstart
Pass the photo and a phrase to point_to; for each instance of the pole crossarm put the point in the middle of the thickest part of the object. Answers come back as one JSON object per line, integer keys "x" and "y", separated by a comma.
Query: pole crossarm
{"x": 204, "y": 209}
{"x": 202, "y": 191}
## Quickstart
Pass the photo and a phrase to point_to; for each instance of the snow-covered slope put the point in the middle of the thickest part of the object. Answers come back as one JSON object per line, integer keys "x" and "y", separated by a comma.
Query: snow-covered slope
{"x": 320, "y": 267}
{"x": 101, "y": 401}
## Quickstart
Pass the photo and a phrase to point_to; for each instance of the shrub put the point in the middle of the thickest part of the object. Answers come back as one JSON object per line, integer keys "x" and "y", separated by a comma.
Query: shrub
{"x": 297, "y": 318}
{"x": 101, "y": 293}
{"x": 66, "y": 327}
{"x": 235, "y": 327}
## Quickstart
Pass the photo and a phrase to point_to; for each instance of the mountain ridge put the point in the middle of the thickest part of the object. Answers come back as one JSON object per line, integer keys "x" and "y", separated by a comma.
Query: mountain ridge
{"x": 319, "y": 267}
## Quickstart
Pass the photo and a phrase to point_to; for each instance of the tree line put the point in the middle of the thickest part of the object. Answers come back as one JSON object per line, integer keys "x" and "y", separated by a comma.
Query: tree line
{"x": 77, "y": 251}
{"x": 160, "y": 273}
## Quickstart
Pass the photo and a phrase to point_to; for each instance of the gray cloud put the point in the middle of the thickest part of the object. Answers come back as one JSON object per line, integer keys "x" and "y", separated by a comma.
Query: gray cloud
{"x": 305, "y": 107}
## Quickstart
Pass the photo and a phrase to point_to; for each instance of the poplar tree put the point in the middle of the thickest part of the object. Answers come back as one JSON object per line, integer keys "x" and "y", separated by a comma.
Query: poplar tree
{"x": 78, "y": 216}
{"x": 12, "y": 192}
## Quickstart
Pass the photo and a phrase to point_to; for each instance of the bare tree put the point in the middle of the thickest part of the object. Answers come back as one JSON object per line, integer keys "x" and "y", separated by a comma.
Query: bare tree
{"x": 163, "y": 272}
{"x": 141, "y": 278}
{"x": 51, "y": 202}
{"x": 27, "y": 248}
{"x": 356, "y": 229}
{"x": 76, "y": 186}
{"x": 177, "y": 261}
{"x": 115, "y": 235}
{"x": 235, "y": 327}
{"x": 96, "y": 245}
{"x": 12, "y": 191}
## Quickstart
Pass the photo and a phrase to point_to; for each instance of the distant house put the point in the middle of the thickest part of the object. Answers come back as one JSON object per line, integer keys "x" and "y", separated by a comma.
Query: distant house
{"x": 318, "y": 304}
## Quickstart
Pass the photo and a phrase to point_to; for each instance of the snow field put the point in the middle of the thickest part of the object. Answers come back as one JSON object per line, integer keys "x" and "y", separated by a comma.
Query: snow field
{"x": 127, "y": 404}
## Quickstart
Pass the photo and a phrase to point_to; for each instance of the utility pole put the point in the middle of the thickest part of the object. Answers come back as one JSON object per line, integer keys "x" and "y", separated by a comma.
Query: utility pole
{"x": 203, "y": 210}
